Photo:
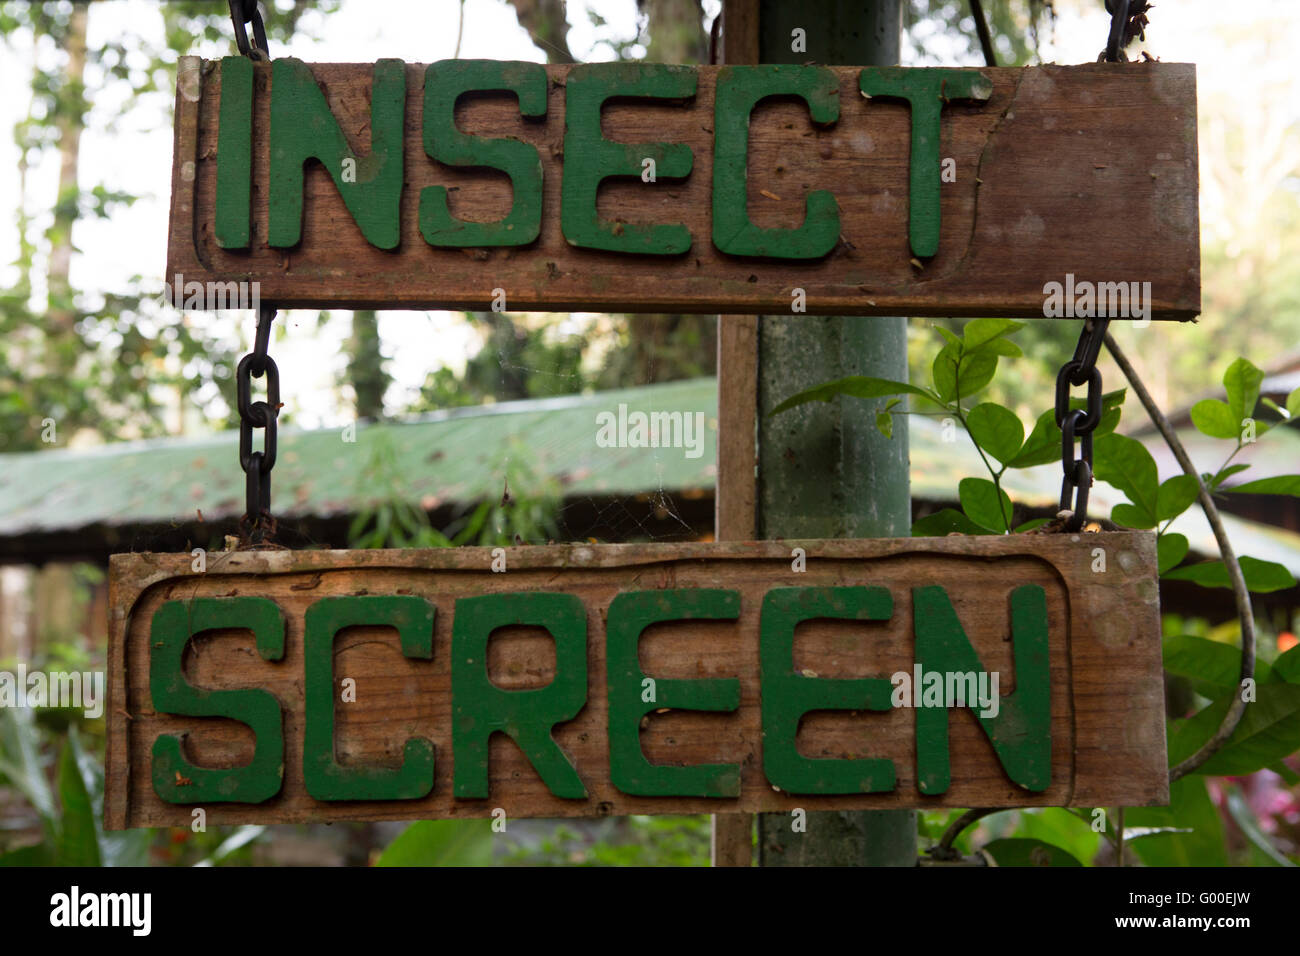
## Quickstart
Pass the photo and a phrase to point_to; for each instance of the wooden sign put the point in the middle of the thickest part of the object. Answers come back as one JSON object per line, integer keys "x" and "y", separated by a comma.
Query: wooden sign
{"x": 583, "y": 680}
{"x": 477, "y": 184}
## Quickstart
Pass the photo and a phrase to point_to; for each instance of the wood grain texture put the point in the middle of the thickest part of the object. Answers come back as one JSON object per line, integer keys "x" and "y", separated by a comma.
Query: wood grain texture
{"x": 1086, "y": 170}
{"x": 736, "y": 495}
{"x": 1106, "y": 703}
{"x": 737, "y": 486}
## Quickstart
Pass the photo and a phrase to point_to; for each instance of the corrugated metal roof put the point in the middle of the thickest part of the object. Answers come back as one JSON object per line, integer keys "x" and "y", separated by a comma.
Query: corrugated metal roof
{"x": 456, "y": 455}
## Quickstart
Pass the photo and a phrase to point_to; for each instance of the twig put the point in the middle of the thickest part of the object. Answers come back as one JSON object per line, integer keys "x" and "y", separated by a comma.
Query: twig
{"x": 1119, "y": 826}
{"x": 1238, "y": 706}
{"x": 982, "y": 28}
{"x": 944, "y": 850}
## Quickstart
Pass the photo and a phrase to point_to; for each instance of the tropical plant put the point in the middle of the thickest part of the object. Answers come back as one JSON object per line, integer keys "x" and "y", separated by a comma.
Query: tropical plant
{"x": 1192, "y": 829}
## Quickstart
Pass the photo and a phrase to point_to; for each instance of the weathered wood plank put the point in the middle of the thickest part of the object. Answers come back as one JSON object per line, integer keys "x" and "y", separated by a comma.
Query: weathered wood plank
{"x": 1102, "y": 640}
{"x": 1089, "y": 171}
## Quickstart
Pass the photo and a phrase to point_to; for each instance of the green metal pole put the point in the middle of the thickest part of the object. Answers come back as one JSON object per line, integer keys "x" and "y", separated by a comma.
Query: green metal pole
{"x": 825, "y": 471}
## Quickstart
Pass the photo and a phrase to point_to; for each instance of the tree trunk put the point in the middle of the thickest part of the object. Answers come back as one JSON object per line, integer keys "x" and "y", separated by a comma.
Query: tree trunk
{"x": 70, "y": 122}
{"x": 366, "y": 372}
{"x": 546, "y": 22}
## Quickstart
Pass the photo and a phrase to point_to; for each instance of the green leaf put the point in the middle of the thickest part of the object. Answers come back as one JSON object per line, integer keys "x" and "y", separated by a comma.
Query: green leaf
{"x": 885, "y": 424}
{"x": 1287, "y": 666}
{"x": 1289, "y": 776}
{"x": 1170, "y": 550}
{"x": 1293, "y": 404}
{"x": 945, "y": 522}
{"x": 958, "y": 374}
{"x": 242, "y": 836}
{"x": 38, "y": 854}
{"x": 978, "y": 332}
{"x": 975, "y": 372}
{"x": 1276, "y": 485}
{"x": 996, "y": 429}
{"x": 1043, "y": 446}
{"x": 1060, "y": 828}
{"x": 1139, "y": 833}
{"x": 1269, "y": 731}
{"x": 944, "y": 371}
{"x": 1242, "y": 380}
{"x": 1190, "y": 807}
{"x": 1131, "y": 516}
{"x": 1213, "y": 481}
{"x": 1214, "y": 667}
{"x": 441, "y": 843}
{"x": 1175, "y": 496}
{"x": 1261, "y": 576}
{"x": 1002, "y": 347}
{"x": 1126, "y": 464}
{"x": 1244, "y": 816}
{"x": 854, "y": 386}
{"x": 1031, "y": 524}
{"x": 20, "y": 762}
{"x": 77, "y": 843}
{"x": 949, "y": 335}
{"x": 885, "y": 418}
{"x": 985, "y": 503}
{"x": 1023, "y": 852}
{"x": 1214, "y": 418}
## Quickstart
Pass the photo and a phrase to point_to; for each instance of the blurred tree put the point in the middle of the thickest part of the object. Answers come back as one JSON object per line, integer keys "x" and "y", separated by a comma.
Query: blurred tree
{"x": 516, "y": 361}
{"x": 365, "y": 372}
{"x": 71, "y": 360}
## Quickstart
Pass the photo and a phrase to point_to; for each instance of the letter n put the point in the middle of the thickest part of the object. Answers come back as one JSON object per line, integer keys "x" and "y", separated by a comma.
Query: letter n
{"x": 1021, "y": 733}
{"x": 303, "y": 127}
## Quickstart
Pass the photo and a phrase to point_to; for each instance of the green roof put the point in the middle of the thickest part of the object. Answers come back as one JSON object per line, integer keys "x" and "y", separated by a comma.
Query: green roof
{"x": 454, "y": 455}
{"x": 460, "y": 456}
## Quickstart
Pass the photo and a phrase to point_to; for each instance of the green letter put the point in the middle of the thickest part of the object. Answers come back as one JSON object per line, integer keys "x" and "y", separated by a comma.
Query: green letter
{"x": 787, "y": 696}
{"x": 302, "y": 128}
{"x": 234, "y": 152}
{"x": 589, "y": 158}
{"x": 325, "y": 778}
{"x": 444, "y": 83}
{"x": 631, "y": 613}
{"x": 480, "y": 708}
{"x": 740, "y": 88}
{"x": 1021, "y": 732}
{"x": 926, "y": 91}
{"x": 175, "y": 779}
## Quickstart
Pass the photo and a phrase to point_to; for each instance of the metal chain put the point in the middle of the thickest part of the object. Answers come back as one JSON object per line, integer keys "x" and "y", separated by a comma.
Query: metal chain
{"x": 243, "y": 12}
{"x": 1128, "y": 21}
{"x": 256, "y": 526}
{"x": 1078, "y": 424}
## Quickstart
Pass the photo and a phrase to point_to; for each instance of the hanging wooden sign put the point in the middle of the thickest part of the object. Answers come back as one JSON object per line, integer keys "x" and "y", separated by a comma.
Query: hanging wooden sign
{"x": 581, "y": 680}
{"x": 476, "y": 184}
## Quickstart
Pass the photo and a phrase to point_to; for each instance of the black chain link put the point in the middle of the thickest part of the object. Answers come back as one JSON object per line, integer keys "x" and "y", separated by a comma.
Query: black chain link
{"x": 1118, "y": 10}
{"x": 257, "y": 525}
{"x": 243, "y": 12}
{"x": 1078, "y": 424}
{"x": 1128, "y": 22}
